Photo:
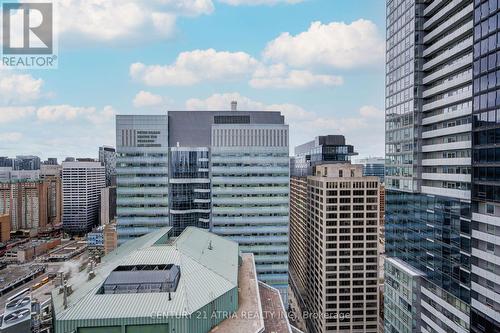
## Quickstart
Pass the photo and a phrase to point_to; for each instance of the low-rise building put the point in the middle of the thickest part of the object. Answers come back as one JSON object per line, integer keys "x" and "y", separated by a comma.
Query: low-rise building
{"x": 198, "y": 282}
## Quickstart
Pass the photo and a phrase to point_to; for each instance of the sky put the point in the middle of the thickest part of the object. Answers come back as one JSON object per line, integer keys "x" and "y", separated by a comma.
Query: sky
{"x": 319, "y": 62}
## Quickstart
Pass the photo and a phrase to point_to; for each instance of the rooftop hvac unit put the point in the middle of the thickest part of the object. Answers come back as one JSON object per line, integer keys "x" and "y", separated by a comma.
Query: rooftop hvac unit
{"x": 17, "y": 316}
{"x": 18, "y": 303}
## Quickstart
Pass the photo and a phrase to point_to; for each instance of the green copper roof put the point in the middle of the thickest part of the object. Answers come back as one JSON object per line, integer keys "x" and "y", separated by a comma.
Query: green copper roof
{"x": 209, "y": 269}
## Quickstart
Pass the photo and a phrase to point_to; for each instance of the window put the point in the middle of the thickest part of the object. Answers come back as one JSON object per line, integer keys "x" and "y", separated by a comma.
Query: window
{"x": 490, "y": 209}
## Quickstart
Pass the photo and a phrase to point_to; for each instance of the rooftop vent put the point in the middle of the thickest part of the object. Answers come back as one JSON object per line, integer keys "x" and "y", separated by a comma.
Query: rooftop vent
{"x": 234, "y": 106}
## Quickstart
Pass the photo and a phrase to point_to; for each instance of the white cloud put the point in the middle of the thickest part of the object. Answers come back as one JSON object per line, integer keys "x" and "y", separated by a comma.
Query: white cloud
{"x": 336, "y": 44}
{"x": 10, "y": 136}
{"x": 360, "y": 129}
{"x": 124, "y": 20}
{"x": 105, "y": 116}
{"x": 369, "y": 111}
{"x": 278, "y": 76}
{"x": 258, "y": 2}
{"x": 164, "y": 23}
{"x": 51, "y": 113}
{"x": 19, "y": 88}
{"x": 147, "y": 99}
{"x": 67, "y": 112}
{"x": 196, "y": 66}
{"x": 14, "y": 113}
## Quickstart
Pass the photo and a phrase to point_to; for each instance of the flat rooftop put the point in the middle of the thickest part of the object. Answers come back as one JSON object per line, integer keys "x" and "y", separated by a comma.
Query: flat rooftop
{"x": 249, "y": 317}
{"x": 14, "y": 274}
{"x": 275, "y": 317}
{"x": 260, "y": 310}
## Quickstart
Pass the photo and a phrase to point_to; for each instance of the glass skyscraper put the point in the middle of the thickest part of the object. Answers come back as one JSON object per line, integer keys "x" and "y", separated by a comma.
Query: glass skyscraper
{"x": 250, "y": 189}
{"x": 142, "y": 175}
{"x": 227, "y": 171}
{"x": 189, "y": 188}
{"x": 428, "y": 163}
{"x": 485, "y": 260}
{"x": 323, "y": 149}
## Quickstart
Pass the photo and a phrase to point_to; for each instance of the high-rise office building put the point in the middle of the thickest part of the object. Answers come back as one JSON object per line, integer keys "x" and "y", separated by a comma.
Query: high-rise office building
{"x": 27, "y": 162}
{"x": 325, "y": 148}
{"x": 107, "y": 156}
{"x": 485, "y": 260}
{"x": 142, "y": 175}
{"x": 81, "y": 186}
{"x": 51, "y": 161}
{"x": 52, "y": 175}
{"x": 6, "y": 162}
{"x": 108, "y": 205}
{"x": 373, "y": 166}
{"x": 334, "y": 252}
{"x": 429, "y": 57}
{"x": 334, "y": 218}
{"x": 225, "y": 170}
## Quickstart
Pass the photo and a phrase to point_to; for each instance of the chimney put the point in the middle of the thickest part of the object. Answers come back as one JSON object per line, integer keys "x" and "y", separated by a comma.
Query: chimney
{"x": 234, "y": 106}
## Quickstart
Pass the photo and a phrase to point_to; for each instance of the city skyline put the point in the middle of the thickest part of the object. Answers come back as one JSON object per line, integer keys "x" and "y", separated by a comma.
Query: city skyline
{"x": 79, "y": 105}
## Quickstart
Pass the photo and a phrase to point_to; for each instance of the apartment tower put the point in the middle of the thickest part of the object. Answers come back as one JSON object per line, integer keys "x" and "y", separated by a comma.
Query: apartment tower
{"x": 429, "y": 56}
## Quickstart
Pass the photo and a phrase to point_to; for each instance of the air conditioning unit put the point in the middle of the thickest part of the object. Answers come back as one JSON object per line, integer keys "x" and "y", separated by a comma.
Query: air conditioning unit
{"x": 18, "y": 321}
{"x": 17, "y": 303}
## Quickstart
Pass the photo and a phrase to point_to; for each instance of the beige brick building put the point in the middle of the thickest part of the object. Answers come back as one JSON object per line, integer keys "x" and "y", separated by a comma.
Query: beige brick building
{"x": 340, "y": 239}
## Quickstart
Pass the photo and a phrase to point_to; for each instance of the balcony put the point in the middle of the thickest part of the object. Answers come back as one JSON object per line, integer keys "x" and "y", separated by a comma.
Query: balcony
{"x": 445, "y": 11}
{"x": 448, "y": 23}
{"x": 431, "y": 8}
{"x": 465, "y": 62}
{"x": 446, "y": 161}
{"x": 446, "y": 146}
{"x": 445, "y": 56}
{"x": 448, "y": 100}
{"x": 448, "y": 85}
{"x": 447, "y": 177}
{"x": 447, "y": 115}
{"x": 446, "y": 192}
{"x": 449, "y": 39}
{"x": 447, "y": 131}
